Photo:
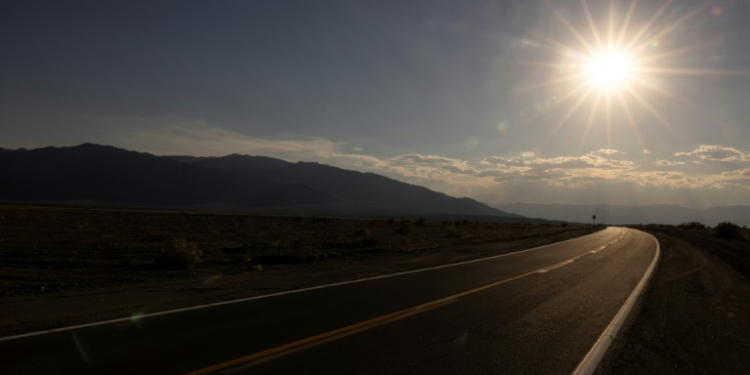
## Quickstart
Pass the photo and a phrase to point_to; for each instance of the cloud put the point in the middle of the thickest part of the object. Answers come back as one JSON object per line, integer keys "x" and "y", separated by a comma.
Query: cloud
{"x": 738, "y": 173}
{"x": 716, "y": 153}
{"x": 423, "y": 159}
{"x": 176, "y": 136}
{"x": 667, "y": 163}
{"x": 608, "y": 151}
{"x": 590, "y": 160}
{"x": 526, "y": 176}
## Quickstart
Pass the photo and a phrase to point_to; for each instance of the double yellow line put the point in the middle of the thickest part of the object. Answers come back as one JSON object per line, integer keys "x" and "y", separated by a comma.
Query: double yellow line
{"x": 297, "y": 346}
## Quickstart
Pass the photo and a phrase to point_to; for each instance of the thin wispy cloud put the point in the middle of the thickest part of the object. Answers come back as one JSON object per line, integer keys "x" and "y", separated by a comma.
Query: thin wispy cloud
{"x": 488, "y": 179}
{"x": 717, "y": 153}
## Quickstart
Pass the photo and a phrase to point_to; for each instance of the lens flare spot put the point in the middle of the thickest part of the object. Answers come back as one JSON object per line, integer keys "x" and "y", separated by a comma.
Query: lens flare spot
{"x": 136, "y": 317}
{"x": 82, "y": 348}
{"x": 503, "y": 126}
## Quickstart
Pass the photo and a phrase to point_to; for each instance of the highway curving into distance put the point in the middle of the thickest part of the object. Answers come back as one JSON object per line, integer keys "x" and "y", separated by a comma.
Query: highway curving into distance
{"x": 538, "y": 311}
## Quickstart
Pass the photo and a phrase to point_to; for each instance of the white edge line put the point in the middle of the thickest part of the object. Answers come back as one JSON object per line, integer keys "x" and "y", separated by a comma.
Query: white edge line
{"x": 596, "y": 353}
{"x": 276, "y": 294}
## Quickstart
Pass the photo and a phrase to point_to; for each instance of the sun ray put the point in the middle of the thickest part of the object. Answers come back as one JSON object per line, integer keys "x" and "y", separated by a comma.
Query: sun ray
{"x": 547, "y": 83}
{"x": 650, "y": 108}
{"x": 646, "y": 26}
{"x": 626, "y": 23}
{"x": 656, "y": 114}
{"x": 608, "y": 117}
{"x": 570, "y": 28}
{"x": 567, "y": 96}
{"x": 556, "y": 46}
{"x": 545, "y": 64}
{"x": 611, "y": 24}
{"x": 674, "y": 52}
{"x": 592, "y": 114}
{"x": 592, "y": 25}
{"x": 668, "y": 29}
{"x": 569, "y": 113}
{"x": 630, "y": 118}
{"x": 561, "y": 100}
{"x": 659, "y": 90}
{"x": 574, "y": 107}
{"x": 679, "y": 71}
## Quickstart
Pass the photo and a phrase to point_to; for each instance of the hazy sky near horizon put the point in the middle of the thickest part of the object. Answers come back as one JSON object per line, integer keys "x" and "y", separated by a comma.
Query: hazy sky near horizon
{"x": 472, "y": 98}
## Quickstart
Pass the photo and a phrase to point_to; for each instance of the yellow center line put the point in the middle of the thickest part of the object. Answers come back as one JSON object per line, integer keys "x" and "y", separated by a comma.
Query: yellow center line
{"x": 293, "y": 347}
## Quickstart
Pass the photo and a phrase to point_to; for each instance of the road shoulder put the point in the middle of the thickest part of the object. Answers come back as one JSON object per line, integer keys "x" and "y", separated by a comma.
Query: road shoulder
{"x": 695, "y": 319}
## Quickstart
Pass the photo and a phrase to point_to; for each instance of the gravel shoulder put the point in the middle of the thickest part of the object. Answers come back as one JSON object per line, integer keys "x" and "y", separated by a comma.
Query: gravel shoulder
{"x": 696, "y": 317}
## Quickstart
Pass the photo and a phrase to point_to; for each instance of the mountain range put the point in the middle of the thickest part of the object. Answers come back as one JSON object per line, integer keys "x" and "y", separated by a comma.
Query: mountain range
{"x": 622, "y": 215}
{"x": 96, "y": 174}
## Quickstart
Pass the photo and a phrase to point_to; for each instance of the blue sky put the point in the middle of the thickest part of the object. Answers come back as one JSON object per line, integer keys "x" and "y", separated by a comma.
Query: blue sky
{"x": 447, "y": 94}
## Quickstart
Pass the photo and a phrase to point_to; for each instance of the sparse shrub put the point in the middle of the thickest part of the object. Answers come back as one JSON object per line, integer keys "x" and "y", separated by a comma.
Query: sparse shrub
{"x": 182, "y": 255}
{"x": 390, "y": 221}
{"x": 368, "y": 241}
{"x": 420, "y": 222}
{"x": 692, "y": 225}
{"x": 457, "y": 223}
{"x": 564, "y": 225}
{"x": 403, "y": 230}
{"x": 452, "y": 233}
{"x": 316, "y": 219}
{"x": 372, "y": 223}
{"x": 727, "y": 230}
{"x": 214, "y": 256}
{"x": 362, "y": 232}
{"x": 131, "y": 262}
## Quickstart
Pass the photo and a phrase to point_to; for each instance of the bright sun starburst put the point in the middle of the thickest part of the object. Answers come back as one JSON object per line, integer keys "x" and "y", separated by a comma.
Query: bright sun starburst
{"x": 610, "y": 69}
{"x": 614, "y": 63}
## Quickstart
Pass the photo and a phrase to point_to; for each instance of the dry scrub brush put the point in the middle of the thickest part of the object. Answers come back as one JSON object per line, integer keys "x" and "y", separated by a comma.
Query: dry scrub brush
{"x": 182, "y": 255}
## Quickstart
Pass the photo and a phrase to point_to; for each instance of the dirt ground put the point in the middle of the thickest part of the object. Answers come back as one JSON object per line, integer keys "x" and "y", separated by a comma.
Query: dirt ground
{"x": 68, "y": 266}
{"x": 696, "y": 318}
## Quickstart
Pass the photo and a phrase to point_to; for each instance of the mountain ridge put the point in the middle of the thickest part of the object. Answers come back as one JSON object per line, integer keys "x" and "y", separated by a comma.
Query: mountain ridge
{"x": 110, "y": 175}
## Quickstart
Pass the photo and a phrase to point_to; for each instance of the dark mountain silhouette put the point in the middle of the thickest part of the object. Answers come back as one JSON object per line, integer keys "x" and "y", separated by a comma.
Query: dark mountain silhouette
{"x": 345, "y": 184}
{"x": 646, "y": 214}
{"x": 108, "y": 175}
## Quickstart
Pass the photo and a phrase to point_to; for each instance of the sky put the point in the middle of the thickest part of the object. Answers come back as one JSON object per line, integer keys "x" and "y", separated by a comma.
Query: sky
{"x": 493, "y": 100}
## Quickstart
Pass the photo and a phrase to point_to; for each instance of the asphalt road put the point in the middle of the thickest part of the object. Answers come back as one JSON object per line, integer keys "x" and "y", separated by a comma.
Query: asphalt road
{"x": 533, "y": 312}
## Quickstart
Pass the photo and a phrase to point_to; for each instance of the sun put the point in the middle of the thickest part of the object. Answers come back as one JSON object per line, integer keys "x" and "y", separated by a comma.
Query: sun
{"x": 615, "y": 67}
{"x": 609, "y": 69}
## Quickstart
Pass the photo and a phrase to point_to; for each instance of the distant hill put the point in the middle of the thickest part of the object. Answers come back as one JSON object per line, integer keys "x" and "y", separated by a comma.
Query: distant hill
{"x": 346, "y": 185}
{"x": 109, "y": 175}
{"x": 611, "y": 214}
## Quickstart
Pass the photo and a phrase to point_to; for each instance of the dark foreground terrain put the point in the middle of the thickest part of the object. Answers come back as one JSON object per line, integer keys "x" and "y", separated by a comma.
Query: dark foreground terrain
{"x": 529, "y": 312}
{"x": 66, "y": 266}
{"x": 63, "y": 266}
{"x": 696, "y": 318}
